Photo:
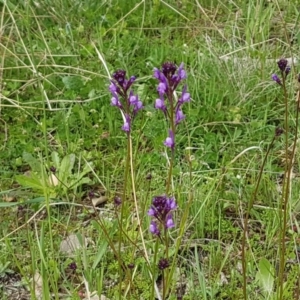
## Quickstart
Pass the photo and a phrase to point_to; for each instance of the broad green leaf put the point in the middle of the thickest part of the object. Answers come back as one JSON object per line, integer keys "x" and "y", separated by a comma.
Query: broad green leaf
{"x": 33, "y": 181}
{"x": 65, "y": 169}
{"x": 34, "y": 163}
{"x": 265, "y": 275}
{"x": 87, "y": 169}
{"x": 30, "y": 201}
{"x": 10, "y": 5}
{"x": 102, "y": 250}
{"x": 76, "y": 183}
{"x": 8, "y": 204}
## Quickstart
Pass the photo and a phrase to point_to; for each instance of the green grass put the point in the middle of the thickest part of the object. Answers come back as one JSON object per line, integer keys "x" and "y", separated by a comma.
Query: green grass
{"x": 56, "y": 59}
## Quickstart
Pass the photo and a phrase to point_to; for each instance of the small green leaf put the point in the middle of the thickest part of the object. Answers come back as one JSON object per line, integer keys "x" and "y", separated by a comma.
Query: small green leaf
{"x": 55, "y": 159}
{"x": 73, "y": 83}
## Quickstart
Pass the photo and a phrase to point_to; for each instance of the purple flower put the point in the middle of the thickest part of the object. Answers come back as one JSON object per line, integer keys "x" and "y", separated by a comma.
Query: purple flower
{"x": 53, "y": 169}
{"x": 162, "y": 88}
{"x": 160, "y": 104}
{"x": 276, "y": 78}
{"x": 91, "y": 194}
{"x": 282, "y": 64}
{"x": 278, "y": 131}
{"x": 185, "y": 97}
{"x": 163, "y": 263}
{"x": 169, "y": 222}
{"x": 170, "y": 142}
{"x": 130, "y": 82}
{"x": 133, "y": 98}
{"x": 115, "y": 101}
{"x": 119, "y": 77}
{"x": 154, "y": 228}
{"x": 171, "y": 204}
{"x": 126, "y": 126}
{"x": 156, "y": 74}
{"x": 181, "y": 72}
{"x": 73, "y": 266}
{"x": 179, "y": 116}
{"x": 287, "y": 70}
{"x": 117, "y": 201}
{"x": 137, "y": 106}
{"x": 181, "y": 75}
{"x": 113, "y": 87}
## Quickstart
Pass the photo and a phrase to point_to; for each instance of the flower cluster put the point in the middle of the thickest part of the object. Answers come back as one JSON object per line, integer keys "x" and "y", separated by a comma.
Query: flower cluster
{"x": 161, "y": 212}
{"x": 163, "y": 263}
{"x": 124, "y": 98}
{"x": 169, "y": 80}
{"x": 284, "y": 70}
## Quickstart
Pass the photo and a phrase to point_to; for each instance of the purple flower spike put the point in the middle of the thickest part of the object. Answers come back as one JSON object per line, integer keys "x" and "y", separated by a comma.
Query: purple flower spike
{"x": 161, "y": 213}
{"x": 161, "y": 206}
{"x": 169, "y": 142}
{"x": 276, "y": 78}
{"x": 169, "y": 77}
{"x": 163, "y": 264}
{"x": 124, "y": 98}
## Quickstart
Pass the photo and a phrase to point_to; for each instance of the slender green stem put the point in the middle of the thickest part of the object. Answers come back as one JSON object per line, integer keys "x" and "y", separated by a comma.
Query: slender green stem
{"x": 183, "y": 220}
{"x": 285, "y": 195}
{"x": 137, "y": 210}
{"x": 166, "y": 272}
{"x": 154, "y": 268}
{"x": 123, "y": 211}
{"x": 245, "y": 231}
{"x": 172, "y": 122}
{"x": 286, "y": 187}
